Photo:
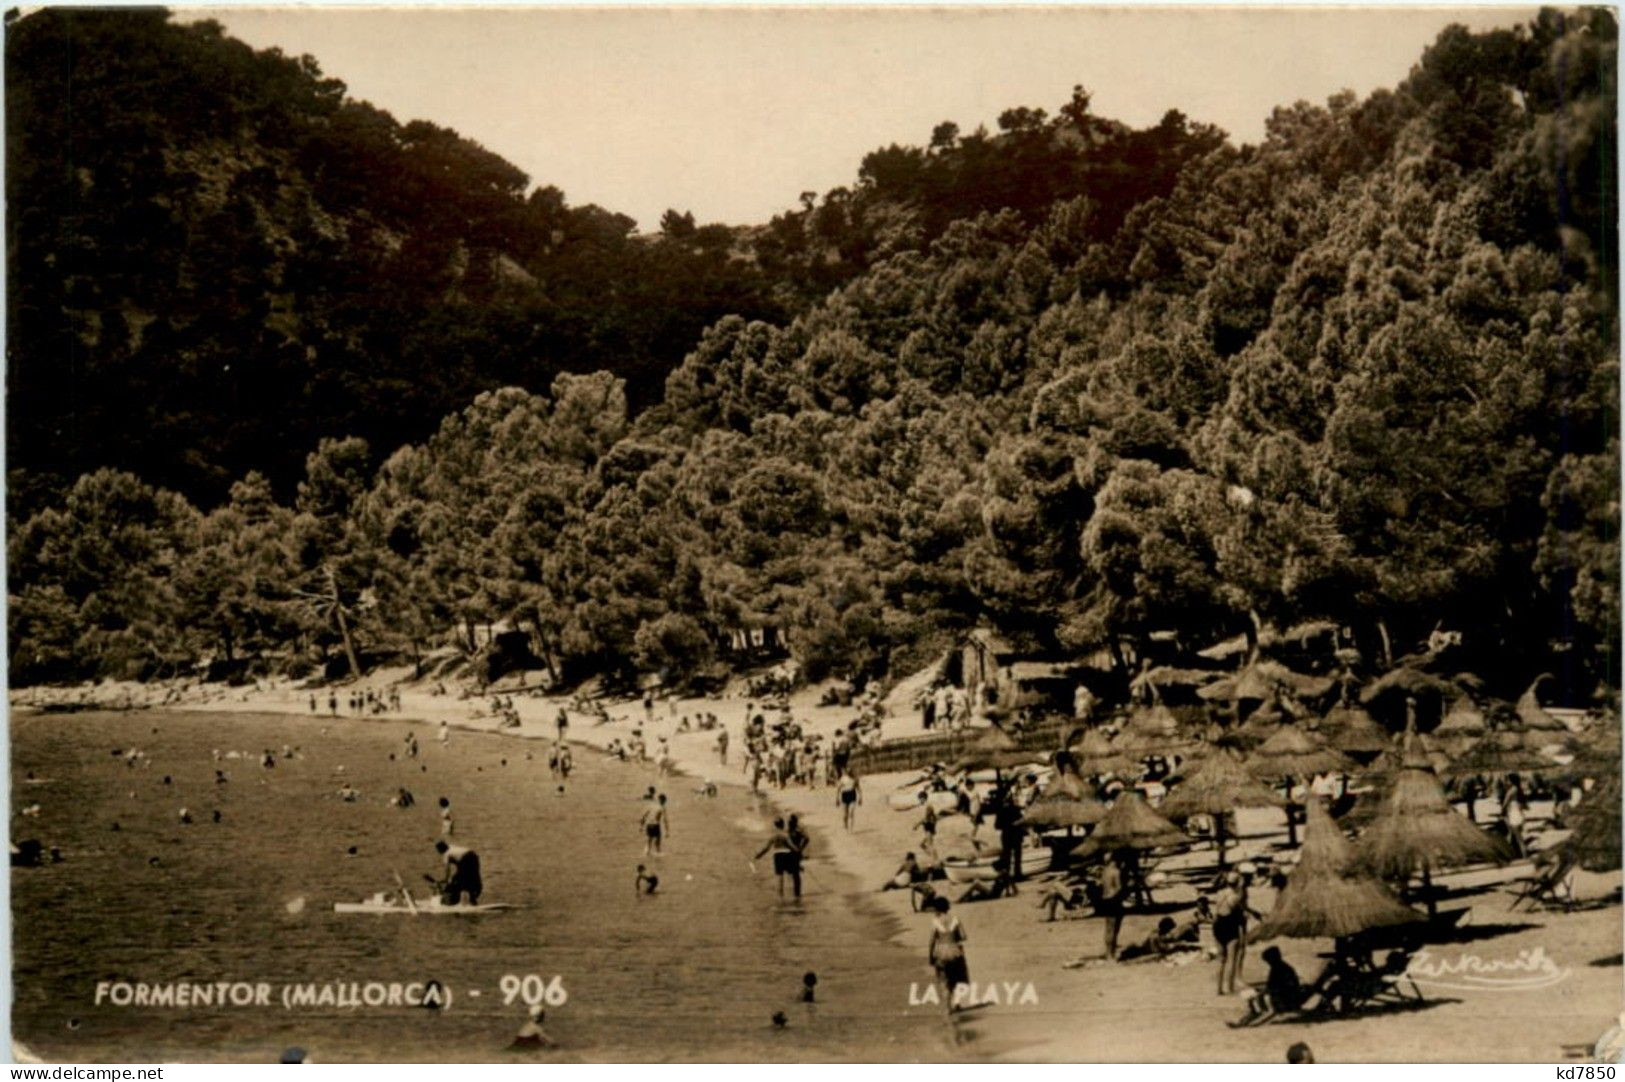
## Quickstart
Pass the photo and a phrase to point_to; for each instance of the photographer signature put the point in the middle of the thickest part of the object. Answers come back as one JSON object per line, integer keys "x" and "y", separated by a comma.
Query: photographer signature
{"x": 1525, "y": 971}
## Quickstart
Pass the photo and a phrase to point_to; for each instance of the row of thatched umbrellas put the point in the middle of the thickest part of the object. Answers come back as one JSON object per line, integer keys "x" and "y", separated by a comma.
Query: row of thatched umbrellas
{"x": 1336, "y": 888}
{"x": 1414, "y": 832}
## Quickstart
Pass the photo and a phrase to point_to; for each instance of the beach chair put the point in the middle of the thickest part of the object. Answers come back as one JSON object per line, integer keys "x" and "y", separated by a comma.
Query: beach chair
{"x": 1551, "y": 885}
{"x": 1389, "y": 983}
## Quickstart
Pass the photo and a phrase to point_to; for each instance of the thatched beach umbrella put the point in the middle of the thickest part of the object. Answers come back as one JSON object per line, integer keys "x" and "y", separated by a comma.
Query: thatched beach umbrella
{"x": 1463, "y": 726}
{"x": 1096, "y": 755}
{"x": 1169, "y": 676}
{"x": 1131, "y": 824}
{"x": 1598, "y": 752}
{"x": 995, "y": 749}
{"x": 1531, "y": 715}
{"x": 1416, "y": 830}
{"x": 1293, "y": 753}
{"x": 1507, "y": 751}
{"x": 1264, "y": 680}
{"x": 1324, "y": 896}
{"x": 1219, "y": 785}
{"x": 1595, "y": 843}
{"x": 1047, "y": 813}
{"x": 1352, "y": 731}
{"x": 1151, "y": 730}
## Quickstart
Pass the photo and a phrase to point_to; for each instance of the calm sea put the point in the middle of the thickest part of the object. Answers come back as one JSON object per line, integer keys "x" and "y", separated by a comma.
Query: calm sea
{"x": 695, "y": 972}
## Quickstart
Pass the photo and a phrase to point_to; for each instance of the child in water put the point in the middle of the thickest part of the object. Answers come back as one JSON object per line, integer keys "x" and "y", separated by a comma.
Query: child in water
{"x": 646, "y": 883}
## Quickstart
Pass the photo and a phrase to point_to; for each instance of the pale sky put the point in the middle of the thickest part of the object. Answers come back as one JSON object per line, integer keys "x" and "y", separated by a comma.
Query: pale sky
{"x": 732, "y": 112}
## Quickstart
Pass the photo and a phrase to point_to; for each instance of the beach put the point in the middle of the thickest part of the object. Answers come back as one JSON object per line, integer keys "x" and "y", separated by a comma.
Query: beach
{"x": 1537, "y": 986}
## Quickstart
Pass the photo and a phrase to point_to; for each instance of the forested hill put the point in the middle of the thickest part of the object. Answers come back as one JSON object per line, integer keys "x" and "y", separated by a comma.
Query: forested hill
{"x": 219, "y": 258}
{"x": 1365, "y": 372}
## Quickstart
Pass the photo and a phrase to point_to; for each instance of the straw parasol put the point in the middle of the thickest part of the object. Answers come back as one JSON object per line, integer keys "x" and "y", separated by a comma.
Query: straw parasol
{"x": 1218, "y": 785}
{"x": 1153, "y": 681}
{"x": 1064, "y": 811}
{"x": 1151, "y": 730}
{"x": 1293, "y": 753}
{"x": 1131, "y": 824}
{"x": 1352, "y": 731}
{"x": 1531, "y": 715}
{"x": 1463, "y": 726}
{"x": 1507, "y": 751}
{"x": 995, "y": 749}
{"x": 1598, "y": 754}
{"x": 1595, "y": 843}
{"x": 1096, "y": 755}
{"x": 1407, "y": 681}
{"x": 1416, "y": 830}
{"x": 1263, "y": 680}
{"x": 1324, "y": 897}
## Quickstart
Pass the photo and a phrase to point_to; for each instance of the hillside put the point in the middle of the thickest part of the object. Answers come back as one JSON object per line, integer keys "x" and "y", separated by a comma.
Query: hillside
{"x": 1364, "y": 371}
{"x": 220, "y": 258}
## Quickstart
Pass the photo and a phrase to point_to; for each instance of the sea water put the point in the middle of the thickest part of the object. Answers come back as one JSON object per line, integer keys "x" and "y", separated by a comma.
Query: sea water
{"x": 694, "y": 972}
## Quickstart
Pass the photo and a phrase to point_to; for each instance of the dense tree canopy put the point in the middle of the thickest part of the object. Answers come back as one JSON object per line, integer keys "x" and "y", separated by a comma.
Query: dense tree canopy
{"x": 1084, "y": 383}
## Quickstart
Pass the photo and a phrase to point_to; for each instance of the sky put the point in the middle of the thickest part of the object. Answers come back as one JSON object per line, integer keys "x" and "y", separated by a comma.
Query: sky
{"x": 731, "y": 113}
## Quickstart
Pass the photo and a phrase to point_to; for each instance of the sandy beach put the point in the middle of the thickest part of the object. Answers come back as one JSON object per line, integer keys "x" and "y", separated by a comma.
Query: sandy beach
{"x": 1509, "y": 986}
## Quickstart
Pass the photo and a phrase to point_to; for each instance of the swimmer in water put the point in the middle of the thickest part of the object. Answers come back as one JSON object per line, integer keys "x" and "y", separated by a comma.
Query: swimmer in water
{"x": 646, "y": 883}
{"x": 531, "y": 1034}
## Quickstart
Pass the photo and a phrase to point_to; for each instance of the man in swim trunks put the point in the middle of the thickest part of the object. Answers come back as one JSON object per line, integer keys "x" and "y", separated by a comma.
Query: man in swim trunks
{"x": 786, "y": 857}
{"x": 462, "y": 874}
{"x": 655, "y": 826}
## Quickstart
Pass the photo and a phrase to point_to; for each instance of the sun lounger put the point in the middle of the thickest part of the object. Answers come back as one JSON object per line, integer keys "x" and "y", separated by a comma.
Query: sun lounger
{"x": 1551, "y": 885}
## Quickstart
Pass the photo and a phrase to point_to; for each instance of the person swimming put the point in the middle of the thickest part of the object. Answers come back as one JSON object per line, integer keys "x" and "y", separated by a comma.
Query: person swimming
{"x": 531, "y": 1034}
{"x": 646, "y": 883}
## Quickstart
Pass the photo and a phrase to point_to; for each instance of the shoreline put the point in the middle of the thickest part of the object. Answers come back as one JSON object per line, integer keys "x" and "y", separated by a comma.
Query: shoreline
{"x": 1093, "y": 1013}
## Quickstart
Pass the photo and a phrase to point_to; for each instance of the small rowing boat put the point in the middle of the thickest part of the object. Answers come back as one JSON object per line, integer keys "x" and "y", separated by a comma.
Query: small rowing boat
{"x": 426, "y": 907}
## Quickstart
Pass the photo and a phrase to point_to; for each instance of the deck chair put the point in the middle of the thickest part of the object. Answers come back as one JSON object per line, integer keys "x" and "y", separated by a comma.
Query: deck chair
{"x": 1551, "y": 885}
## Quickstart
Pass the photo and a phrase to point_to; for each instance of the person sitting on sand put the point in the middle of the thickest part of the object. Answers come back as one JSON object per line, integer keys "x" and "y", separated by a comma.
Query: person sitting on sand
{"x": 531, "y": 1034}
{"x": 1000, "y": 885}
{"x": 462, "y": 874}
{"x": 1281, "y": 991}
{"x": 646, "y": 883}
{"x": 1070, "y": 900}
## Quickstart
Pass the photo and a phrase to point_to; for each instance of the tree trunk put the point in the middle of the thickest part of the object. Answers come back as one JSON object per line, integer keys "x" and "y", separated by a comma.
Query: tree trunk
{"x": 1218, "y": 836}
{"x": 344, "y": 633}
{"x": 1254, "y": 632}
{"x": 1427, "y": 892}
{"x": 1387, "y": 645}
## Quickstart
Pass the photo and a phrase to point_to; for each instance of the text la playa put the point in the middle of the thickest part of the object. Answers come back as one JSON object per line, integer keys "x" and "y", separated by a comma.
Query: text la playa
{"x": 971, "y": 994}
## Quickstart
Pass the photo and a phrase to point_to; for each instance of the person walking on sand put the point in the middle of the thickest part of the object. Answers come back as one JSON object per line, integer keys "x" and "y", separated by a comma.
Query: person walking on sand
{"x": 848, "y": 795}
{"x": 1110, "y": 905}
{"x": 655, "y": 826}
{"x": 333, "y": 703}
{"x": 722, "y": 747}
{"x": 562, "y": 723}
{"x": 445, "y": 732}
{"x": 947, "y": 953}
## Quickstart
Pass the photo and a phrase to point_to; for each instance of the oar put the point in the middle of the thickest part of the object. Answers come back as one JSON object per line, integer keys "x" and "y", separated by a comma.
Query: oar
{"x": 406, "y": 894}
